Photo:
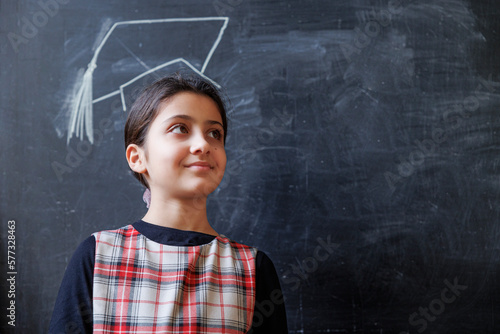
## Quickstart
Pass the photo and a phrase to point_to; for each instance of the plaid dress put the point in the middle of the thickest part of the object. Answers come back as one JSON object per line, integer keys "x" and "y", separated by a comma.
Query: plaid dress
{"x": 141, "y": 286}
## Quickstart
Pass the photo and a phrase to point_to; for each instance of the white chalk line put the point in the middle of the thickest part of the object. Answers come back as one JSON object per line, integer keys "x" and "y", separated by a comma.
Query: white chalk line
{"x": 81, "y": 113}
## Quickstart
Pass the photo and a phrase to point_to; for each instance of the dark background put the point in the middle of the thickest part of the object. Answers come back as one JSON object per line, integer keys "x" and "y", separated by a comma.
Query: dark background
{"x": 384, "y": 145}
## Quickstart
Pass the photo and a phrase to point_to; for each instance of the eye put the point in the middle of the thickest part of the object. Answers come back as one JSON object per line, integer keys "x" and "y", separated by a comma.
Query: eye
{"x": 179, "y": 128}
{"x": 216, "y": 134}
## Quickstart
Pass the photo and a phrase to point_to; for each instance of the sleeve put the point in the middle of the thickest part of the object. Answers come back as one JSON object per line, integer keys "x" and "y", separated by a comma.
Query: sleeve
{"x": 73, "y": 308}
{"x": 269, "y": 314}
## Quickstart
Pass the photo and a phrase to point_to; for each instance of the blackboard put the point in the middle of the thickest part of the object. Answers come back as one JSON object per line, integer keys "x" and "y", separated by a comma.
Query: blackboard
{"x": 363, "y": 148}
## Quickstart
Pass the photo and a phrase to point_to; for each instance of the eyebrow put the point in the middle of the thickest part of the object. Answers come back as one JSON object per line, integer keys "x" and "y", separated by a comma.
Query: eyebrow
{"x": 189, "y": 118}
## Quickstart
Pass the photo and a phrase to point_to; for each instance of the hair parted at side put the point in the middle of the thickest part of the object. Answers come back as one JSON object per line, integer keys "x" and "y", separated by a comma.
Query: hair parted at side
{"x": 145, "y": 108}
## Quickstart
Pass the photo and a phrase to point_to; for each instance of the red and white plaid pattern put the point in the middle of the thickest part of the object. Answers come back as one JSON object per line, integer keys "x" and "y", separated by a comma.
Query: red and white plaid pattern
{"x": 141, "y": 286}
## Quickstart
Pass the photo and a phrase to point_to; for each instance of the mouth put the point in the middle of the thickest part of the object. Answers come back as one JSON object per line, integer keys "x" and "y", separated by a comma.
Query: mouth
{"x": 200, "y": 166}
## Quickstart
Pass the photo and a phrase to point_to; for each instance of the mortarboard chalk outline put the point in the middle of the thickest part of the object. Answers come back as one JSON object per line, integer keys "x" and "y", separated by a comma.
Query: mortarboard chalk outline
{"x": 80, "y": 122}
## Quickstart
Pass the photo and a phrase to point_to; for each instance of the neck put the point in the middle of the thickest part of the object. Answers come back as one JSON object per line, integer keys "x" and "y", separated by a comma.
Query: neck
{"x": 188, "y": 214}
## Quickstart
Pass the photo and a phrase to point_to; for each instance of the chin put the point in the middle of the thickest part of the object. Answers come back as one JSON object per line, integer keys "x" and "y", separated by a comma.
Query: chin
{"x": 203, "y": 190}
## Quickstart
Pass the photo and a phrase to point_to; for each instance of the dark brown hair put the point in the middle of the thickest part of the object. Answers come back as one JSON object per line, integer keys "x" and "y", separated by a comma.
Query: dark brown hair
{"x": 145, "y": 108}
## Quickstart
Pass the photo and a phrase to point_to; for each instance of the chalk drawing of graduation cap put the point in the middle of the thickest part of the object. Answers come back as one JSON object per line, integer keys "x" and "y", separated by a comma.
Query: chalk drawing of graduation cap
{"x": 131, "y": 50}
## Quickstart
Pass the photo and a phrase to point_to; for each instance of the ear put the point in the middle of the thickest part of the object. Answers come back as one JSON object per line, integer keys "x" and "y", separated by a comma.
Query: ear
{"x": 136, "y": 158}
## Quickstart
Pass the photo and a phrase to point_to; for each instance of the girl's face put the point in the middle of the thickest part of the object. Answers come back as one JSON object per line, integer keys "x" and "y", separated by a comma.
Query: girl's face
{"x": 184, "y": 152}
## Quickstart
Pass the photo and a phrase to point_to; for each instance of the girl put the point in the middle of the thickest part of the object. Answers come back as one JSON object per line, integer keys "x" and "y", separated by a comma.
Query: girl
{"x": 171, "y": 272}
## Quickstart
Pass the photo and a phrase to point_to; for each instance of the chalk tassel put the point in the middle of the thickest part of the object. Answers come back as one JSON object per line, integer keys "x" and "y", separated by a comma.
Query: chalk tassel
{"x": 80, "y": 122}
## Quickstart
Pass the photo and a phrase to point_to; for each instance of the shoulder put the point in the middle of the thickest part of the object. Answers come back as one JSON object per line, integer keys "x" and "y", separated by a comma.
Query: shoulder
{"x": 262, "y": 261}
{"x": 115, "y": 235}
{"x": 82, "y": 260}
{"x": 235, "y": 244}
{"x": 265, "y": 268}
{"x": 120, "y": 231}
{"x": 84, "y": 252}
{"x": 230, "y": 251}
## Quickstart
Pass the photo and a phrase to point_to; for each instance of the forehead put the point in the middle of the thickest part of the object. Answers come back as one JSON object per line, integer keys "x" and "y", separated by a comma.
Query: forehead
{"x": 197, "y": 106}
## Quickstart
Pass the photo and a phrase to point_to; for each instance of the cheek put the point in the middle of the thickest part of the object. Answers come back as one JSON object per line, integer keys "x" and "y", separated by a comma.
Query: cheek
{"x": 221, "y": 156}
{"x": 172, "y": 152}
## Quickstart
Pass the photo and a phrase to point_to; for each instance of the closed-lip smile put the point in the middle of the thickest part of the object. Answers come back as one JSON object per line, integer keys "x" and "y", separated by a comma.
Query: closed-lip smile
{"x": 200, "y": 165}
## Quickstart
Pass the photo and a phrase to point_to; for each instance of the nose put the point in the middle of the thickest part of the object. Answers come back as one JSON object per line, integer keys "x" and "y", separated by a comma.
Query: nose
{"x": 199, "y": 144}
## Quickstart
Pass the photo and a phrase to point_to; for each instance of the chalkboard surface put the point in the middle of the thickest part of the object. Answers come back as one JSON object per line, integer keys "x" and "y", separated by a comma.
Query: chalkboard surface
{"x": 364, "y": 150}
